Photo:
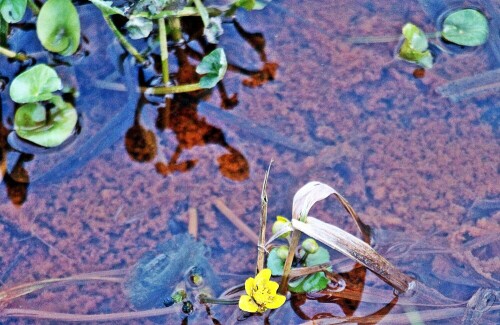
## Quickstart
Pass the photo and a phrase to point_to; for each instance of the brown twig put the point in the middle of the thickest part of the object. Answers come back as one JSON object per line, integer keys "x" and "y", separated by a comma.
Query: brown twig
{"x": 231, "y": 216}
{"x": 193, "y": 222}
{"x": 261, "y": 251}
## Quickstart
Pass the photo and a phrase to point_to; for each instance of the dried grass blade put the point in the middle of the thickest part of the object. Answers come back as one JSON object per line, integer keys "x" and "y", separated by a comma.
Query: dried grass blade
{"x": 231, "y": 216}
{"x": 261, "y": 253}
{"x": 356, "y": 249}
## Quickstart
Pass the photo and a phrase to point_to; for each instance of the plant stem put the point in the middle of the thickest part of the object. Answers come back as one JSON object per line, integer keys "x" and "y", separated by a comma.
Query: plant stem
{"x": 294, "y": 242}
{"x": 34, "y": 7}
{"x": 13, "y": 55}
{"x": 210, "y": 300}
{"x": 202, "y": 10}
{"x": 175, "y": 27}
{"x": 186, "y": 12}
{"x": 261, "y": 252}
{"x": 123, "y": 41}
{"x": 173, "y": 89}
{"x": 164, "y": 50}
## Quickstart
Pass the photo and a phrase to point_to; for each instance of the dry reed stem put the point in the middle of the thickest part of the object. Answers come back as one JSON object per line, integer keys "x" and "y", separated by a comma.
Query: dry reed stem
{"x": 231, "y": 216}
{"x": 261, "y": 251}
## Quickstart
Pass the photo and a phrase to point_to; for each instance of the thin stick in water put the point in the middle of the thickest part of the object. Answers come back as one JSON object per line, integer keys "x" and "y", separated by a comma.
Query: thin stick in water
{"x": 231, "y": 216}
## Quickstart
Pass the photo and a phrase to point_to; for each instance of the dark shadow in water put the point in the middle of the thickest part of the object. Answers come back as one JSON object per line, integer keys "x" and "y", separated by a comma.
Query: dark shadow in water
{"x": 179, "y": 113}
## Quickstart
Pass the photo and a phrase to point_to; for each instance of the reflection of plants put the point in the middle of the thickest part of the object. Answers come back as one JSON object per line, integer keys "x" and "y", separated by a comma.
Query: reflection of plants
{"x": 467, "y": 27}
{"x": 48, "y": 124}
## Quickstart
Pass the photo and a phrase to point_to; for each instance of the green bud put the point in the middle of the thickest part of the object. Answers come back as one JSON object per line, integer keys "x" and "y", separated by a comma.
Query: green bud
{"x": 179, "y": 295}
{"x": 310, "y": 246}
{"x": 280, "y": 223}
{"x": 282, "y": 252}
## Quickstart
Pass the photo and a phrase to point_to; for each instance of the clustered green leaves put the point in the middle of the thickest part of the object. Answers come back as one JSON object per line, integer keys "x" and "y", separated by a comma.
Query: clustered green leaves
{"x": 45, "y": 118}
{"x": 310, "y": 254}
{"x": 467, "y": 27}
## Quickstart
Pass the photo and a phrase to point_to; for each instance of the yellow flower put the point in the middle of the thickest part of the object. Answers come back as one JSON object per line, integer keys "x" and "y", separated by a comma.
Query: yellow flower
{"x": 261, "y": 294}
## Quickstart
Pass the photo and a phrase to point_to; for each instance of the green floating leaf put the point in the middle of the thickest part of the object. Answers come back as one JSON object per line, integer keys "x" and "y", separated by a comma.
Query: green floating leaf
{"x": 58, "y": 27}
{"x": 155, "y": 6}
{"x": 213, "y": 67}
{"x": 138, "y": 27}
{"x": 414, "y": 47}
{"x": 107, "y": 8}
{"x": 12, "y": 10}
{"x": 48, "y": 129}
{"x": 466, "y": 27}
{"x": 321, "y": 256}
{"x": 274, "y": 263}
{"x": 35, "y": 84}
{"x": 311, "y": 283}
{"x": 245, "y": 4}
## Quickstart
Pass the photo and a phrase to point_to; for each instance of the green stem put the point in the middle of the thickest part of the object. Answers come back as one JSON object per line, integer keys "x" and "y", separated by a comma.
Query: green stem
{"x": 202, "y": 11}
{"x": 164, "y": 50}
{"x": 210, "y": 300}
{"x": 13, "y": 55}
{"x": 186, "y": 12}
{"x": 4, "y": 31}
{"x": 175, "y": 27}
{"x": 34, "y": 7}
{"x": 123, "y": 41}
{"x": 173, "y": 89}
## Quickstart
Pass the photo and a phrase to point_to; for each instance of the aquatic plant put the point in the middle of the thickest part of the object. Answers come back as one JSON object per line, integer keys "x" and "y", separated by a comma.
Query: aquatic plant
{"x": 466, "y": 27}
{"x": 261, "y": 294}
{"x": 48, "y": 124}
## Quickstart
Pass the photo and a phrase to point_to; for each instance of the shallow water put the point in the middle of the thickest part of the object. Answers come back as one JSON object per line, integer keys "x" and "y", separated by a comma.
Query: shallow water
{"x": 417, "y": 167}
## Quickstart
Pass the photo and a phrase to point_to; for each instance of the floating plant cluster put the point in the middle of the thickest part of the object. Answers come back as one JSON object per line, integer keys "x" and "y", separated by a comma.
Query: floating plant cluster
{"x": 467, "y": 27}
{"x": 58, "y": 30}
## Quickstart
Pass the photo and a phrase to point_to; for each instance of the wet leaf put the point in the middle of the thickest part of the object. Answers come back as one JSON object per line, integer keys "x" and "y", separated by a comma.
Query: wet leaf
{"x": 155, "y": 6}
{"x": 48, "y": 129}
{"x": 246, "y": 4}
{"x": 466, "y": 27}
{"x": 35, "y": 84}
{"x": 414, "y": 47}
{"x": 311, "y": 283}
{"x": 12, "y": 10}
{"x": 275, "y": 263}
{"x": 139, "y": 27}
{"x": 58, "y": 27}
{"x": 320, "y": 257}
{"x": 213, "y": 67}
{"x": 107, "y": 8}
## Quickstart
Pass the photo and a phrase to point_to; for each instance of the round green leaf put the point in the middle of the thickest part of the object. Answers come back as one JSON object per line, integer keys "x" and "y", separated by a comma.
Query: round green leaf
{"x": 466, "y": 27}
{"x": 58, "y": 27}
{"x": 35, "y": 84}
{"x": 321, "y": 256}
{"x": 275, "y": 263}
{"x": 139, "y": 27}
{"x": 311, "y": 283}
{"x": 213, "y": 66}
{"x": 48, "y": 129}
{"x": 12, "y": 10}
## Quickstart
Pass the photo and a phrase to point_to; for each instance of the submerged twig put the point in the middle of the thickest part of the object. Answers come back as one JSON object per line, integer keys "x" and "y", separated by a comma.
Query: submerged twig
{"x": 193, "y": 222}
{"x": 488, "y": 81}
{"x": 478, "y": 304}
{"x": 231, "y": 216}
{"x": 263, "y": 222}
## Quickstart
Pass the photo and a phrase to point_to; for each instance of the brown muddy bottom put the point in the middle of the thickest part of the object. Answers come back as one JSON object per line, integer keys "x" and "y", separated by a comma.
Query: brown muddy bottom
{"x": 419, "y": 167}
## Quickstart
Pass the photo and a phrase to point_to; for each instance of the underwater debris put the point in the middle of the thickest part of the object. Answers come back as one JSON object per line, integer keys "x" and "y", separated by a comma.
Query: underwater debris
{"x": 163, "y": 271}
{"x": 485, "y": 82}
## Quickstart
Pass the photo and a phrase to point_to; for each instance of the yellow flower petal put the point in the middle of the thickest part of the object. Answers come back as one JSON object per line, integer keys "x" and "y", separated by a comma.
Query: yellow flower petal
{"x": 261, "y": 297}
{"x": 263, "y": 277}
{"x": 246, "y": 303}
{"x": 249, "y": 283}
{"x": 272, "y": 287}
{"x": 277, "y": 302}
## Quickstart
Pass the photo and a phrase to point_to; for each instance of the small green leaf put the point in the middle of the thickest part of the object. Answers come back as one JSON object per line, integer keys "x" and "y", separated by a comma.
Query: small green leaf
{"x": 466, "y": 27}
{"x": 48, "y": 129}
{"x": 311, "y": 283}
{"x": 321, "y": 256}
{"x": 107, "y": 8}
{"x": 414, "y": 47}
{"x": 12, "y": 10}
{"x": 416, "y": 38}
{"x": 275, "y": 263}
{"x": 246, "y": 4}
{"x": 213, "y": 66}
{"x": 58, "y": 27}
{"x": 35, "y": 84}
{"x": 139, "y": 27}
